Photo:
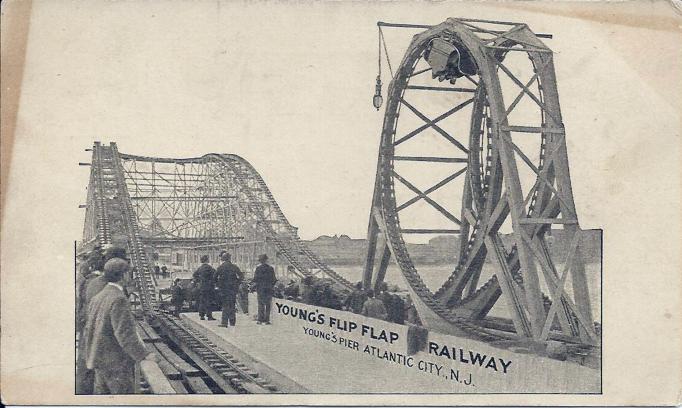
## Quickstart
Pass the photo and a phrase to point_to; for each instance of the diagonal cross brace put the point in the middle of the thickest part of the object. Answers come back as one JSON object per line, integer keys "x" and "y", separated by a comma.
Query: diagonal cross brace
{"x": 431, "y": 123}
{"x": 434, "y": 204}
{"x": 431, "y": 189}
{"x": 526, "y": 90}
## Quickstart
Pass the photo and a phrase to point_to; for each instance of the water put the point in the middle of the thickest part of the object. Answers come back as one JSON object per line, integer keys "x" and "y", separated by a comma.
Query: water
{"x": 434, "y": 276}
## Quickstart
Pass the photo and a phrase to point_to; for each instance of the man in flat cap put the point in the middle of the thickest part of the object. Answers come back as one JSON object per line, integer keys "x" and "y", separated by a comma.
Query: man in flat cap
{"x": 112, "y": 345}
{"x": 228, "y": 277}
{"x": 264, "y": 281}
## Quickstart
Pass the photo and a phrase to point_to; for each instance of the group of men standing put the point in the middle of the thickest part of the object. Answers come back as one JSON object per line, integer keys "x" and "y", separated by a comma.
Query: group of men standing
{"x": 382, "y": 305}
{"x": 109, "y": 345}
{"x": 227, "y": 279}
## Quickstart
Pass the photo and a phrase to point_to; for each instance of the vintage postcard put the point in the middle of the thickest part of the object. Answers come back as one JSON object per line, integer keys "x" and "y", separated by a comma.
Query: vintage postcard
{"x": 349, "y": 203}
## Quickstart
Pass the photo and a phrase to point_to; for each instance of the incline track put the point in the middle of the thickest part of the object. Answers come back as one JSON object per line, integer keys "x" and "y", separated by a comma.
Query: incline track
{"x": 113, "y": 206}
{"x": 262, "y": 210}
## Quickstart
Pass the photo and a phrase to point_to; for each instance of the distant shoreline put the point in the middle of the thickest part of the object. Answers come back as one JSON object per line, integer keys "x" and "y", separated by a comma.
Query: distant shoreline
{"x": 362, "y": 265}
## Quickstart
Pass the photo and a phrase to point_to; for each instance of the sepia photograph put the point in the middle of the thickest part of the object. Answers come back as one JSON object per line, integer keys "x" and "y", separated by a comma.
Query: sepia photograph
{"x": 424, "y": 203}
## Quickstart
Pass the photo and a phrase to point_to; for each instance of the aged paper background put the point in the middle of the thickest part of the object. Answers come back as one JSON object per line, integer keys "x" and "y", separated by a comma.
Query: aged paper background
{"x": 288, "y": 86}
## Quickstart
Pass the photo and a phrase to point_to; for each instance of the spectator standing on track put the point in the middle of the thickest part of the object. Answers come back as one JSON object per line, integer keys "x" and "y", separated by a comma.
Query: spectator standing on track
{"x": 228, "y": 279}
{"x": 112, "y": 345}
{"x": 204, "y": 276}
{"x": 374, "y": 307}
{"x": 264, "y": 281}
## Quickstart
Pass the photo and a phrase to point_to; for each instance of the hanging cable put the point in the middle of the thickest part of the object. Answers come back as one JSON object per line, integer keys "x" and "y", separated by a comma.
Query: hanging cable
{"x": 388, "y": 60}
{"x": 378, "y": 100}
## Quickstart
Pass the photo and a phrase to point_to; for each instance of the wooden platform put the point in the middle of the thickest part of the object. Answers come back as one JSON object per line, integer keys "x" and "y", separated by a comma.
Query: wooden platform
{"x": 297, "y": 362}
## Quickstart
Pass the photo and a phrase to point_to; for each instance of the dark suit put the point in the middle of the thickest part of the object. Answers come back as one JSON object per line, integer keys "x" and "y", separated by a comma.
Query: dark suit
{"x": 204, "y": 275}
{"x": 177, "y": 299}
{"x": 88, "y": 288}
{"x": 264, "y": 280}
{"x": 228, "y": 277}
{"x": 112, "y": 345}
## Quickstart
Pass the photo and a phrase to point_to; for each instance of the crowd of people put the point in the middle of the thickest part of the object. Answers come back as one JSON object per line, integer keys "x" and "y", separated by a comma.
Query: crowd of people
{"x": 380, "y": 304}
{"x": 109, "y": 345}
{"x": 227, "y": 287}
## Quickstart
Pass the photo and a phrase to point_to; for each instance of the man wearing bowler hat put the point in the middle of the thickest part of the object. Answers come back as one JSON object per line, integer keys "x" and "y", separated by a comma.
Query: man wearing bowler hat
{"x": 264, "y": 280}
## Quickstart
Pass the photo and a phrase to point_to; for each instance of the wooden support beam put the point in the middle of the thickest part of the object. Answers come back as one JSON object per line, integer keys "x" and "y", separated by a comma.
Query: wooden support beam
{"x": 521, "y": 323}
{"x": 430, "y": 123}
{"x": 158, "y": 383}
{"x": 439, "y": 88}
{"x": 431, "y": 189}
{"x": 428, "y": 231}
{"x": 528, "y": 221}
{"x": 383, "y": 266}
{"x": 495, "y": 47}
{"x": 178, "y": 386}
{"x": 435, "y": 127}
{"x": 183, "y": 366}
{"x": 148, "y": 334}
{"x": 527, "y": 91}
{"x": 533, "y": 129}
{"x": 434, "y": 204}
{"x": 198, "y": 385}
{"x": 431, "y": 159}
{"x": 558, "y": 291}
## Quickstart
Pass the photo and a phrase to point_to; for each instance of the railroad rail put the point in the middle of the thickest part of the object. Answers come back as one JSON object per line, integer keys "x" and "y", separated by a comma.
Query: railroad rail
{"x": 137, "y": 202}
{"x": 114, "y": 220}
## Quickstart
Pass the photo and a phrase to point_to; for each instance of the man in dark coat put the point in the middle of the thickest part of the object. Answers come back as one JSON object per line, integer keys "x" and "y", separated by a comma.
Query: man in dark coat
{"x": 374, "y": 307}
{"x": 112, "y": 345}
{"x": 177, "y": 297}
{"x": 88, "y": 287}
{"x": 228, "y": 278}
{"x": 356, "y": 299}
{"x": 306, "y": 290}
{"x": 204, "y": 276}
{"x": 396, "y": 309}
{"x": 264, "y": 281}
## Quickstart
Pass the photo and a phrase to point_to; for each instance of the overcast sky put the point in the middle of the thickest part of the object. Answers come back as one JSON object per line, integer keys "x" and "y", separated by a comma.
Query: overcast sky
{"x": 289, "y": 88}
